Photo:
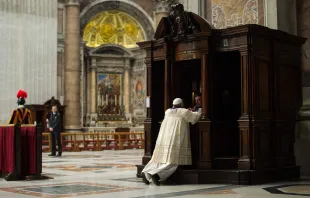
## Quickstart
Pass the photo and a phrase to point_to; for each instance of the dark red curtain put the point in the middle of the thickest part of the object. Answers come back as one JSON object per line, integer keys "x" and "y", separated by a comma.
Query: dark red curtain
{"x": 28, "y": 149}
{"x": 7, "y": 149}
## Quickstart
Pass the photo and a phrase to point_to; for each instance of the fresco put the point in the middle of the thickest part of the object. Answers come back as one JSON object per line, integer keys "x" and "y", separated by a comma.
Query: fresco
{"x": 230, "y": 13}
{"x": 139, "y": 90}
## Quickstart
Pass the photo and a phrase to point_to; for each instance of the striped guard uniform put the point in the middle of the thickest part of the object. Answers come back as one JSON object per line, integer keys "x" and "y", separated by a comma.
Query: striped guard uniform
{"x": 21, "y": 115}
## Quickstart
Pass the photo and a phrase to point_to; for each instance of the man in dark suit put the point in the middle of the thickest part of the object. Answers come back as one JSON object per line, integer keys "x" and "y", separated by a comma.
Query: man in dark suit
{"x": 55, "y": 129}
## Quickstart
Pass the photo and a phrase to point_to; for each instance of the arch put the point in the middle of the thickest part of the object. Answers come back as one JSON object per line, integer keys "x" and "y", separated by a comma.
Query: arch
{"x": 111, "y": 49}
{"x": 136, "y": 11}
{"x": 113, "y": 27}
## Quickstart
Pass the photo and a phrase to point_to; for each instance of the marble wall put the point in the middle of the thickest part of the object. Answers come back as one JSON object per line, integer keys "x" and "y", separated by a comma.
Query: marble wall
{"x": 28, "y": 50}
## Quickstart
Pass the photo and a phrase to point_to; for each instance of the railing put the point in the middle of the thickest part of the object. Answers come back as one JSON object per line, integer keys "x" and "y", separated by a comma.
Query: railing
{"x": 96, "y": 141}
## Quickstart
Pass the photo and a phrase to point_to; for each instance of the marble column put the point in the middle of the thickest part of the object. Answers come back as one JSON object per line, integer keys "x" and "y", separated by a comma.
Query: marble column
{"x": 72, "y": 66}
{"x": 88, "y": 91}
{"x": 161, "y": 9}
{"x": 93, "y": 95}
{"x": 302, "y": 143}
{"x": 281, "y": 15}
{"x": 93, "y": 87}
{"x": 127, "y": 87}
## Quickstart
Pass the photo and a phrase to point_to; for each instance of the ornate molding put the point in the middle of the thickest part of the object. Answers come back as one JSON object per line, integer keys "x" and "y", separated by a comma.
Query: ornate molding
{"x": 110, "y": 69}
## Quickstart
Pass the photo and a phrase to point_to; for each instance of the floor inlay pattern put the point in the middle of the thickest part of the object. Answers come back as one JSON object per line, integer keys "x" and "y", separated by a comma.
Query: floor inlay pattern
{"x": 94, "y": 167}
{"x": 132, "y": 179}
{"x": 291, "y": 189}
{"x": 112, "y": 174}
{"x": 67, "y": 189}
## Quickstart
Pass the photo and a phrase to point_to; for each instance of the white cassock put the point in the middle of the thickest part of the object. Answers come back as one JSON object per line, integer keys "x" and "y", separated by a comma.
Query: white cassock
{"x": 173, "y": 146}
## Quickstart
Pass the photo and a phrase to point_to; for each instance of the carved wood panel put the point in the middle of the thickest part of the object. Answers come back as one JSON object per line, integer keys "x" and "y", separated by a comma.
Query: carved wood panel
{"x": 192, "y": 46}
{"x": 263, "y": 84}
{"x": 147, "y": 143}
{"x": 205, "y": 149}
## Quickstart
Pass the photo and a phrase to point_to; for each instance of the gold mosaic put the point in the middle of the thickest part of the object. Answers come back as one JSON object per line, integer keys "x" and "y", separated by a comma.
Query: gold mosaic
{"x": 113, "y": 27}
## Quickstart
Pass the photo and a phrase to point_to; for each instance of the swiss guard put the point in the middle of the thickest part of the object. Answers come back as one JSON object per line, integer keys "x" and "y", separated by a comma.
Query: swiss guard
{"x": 21, "y": 115}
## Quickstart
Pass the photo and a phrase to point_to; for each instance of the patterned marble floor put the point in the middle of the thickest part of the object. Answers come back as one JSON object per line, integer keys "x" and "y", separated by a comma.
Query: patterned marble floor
{"x": 109, "y": 174}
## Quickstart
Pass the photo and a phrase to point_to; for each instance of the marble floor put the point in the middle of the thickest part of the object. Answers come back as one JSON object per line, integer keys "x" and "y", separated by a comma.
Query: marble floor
{"x": 109, "y": 174}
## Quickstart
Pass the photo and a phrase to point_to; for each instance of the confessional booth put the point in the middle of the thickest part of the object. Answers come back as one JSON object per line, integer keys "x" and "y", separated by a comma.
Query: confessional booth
{"x": 40, "y": 112}
{"x": 250, "y": 85}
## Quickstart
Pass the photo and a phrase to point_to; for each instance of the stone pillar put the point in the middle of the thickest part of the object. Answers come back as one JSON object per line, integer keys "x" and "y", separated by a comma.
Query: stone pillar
{"x": 302, "y": 143}
{"x": 93, "y": 95}
{"x": 72, "y": 66}
{"x": 127, "y": 87}
{"x": 88, "y": 92}
{"x": 82, "y": 81}
{"x": 281, "y": 15}
{"x": 161, "y": 9}
{"x": 87, "y": 86}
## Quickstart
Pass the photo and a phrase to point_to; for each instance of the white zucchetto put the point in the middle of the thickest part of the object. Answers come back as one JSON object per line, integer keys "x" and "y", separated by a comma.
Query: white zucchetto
{"x": 177, "y": 101}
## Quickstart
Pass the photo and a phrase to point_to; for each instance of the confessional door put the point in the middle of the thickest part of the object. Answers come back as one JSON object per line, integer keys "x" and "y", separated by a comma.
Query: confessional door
{"x": 226, "y": 109}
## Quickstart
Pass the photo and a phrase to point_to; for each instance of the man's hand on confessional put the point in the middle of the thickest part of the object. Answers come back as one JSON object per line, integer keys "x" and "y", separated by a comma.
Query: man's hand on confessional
{"x": 51, "y": 129}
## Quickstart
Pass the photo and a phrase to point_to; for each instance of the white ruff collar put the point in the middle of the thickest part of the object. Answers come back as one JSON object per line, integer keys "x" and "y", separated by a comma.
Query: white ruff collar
{"x": 21, "y": 106}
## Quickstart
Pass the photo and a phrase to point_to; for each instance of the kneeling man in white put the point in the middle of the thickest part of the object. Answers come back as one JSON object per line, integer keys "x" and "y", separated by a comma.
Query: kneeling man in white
{"x": 173, "y": 146}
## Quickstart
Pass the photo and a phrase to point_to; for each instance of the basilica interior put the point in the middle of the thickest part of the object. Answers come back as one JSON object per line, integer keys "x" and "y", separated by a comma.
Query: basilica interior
{"x": 114, "y": 66}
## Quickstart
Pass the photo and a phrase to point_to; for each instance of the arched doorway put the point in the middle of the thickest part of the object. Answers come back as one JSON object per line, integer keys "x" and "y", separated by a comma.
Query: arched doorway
{"x": 114, "y": 78}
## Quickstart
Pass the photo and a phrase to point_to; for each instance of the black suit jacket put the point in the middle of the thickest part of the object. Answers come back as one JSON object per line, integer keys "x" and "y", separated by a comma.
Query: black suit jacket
{"x": 55, "y": 122}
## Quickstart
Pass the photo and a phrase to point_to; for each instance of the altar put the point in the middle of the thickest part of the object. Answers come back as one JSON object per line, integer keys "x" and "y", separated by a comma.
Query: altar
{"x": 249, "y": 79}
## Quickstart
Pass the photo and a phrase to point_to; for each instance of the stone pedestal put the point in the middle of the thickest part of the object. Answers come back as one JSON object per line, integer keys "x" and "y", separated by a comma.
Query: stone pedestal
{"x": 72, "y": 66}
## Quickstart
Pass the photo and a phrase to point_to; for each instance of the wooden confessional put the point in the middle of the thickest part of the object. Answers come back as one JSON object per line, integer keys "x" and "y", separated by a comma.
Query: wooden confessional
{"x": 40, "y": 112}
{"x": 250, "y": 83}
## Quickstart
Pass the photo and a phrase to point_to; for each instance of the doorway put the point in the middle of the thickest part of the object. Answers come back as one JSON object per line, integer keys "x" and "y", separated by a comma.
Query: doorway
{"x": 185, "y": 79}
{"x": 226, "y": 108}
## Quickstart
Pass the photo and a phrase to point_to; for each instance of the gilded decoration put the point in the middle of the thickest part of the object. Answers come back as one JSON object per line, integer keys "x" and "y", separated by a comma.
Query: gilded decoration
{"x": 113, "y": 27}
{"x": 230, "y": 13}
